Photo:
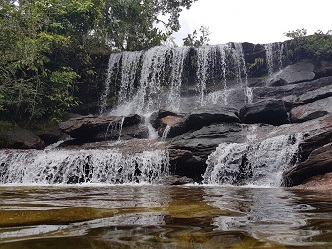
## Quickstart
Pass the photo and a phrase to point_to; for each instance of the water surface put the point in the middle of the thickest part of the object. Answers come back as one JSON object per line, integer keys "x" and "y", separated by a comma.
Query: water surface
{"x": 153, "y": 216}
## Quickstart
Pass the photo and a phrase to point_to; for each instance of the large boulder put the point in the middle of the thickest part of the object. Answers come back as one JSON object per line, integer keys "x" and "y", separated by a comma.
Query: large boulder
{"x": 319, "y": 162}
{"x": 97, "y": 128}
{"x": 211, "y": 115}
{"x": 298, "y": 72}
{"x": 310, "y": 111}
{"x": 19, "y": 138}
{"x": 266, "y": 111}
{"x": 203, "y": 142}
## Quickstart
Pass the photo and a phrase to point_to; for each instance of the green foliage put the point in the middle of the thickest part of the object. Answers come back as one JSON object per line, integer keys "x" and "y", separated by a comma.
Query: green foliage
{"x": 47, "y": 47}
{"x": 194, "y": 41}
{"x": 318, "y": 45}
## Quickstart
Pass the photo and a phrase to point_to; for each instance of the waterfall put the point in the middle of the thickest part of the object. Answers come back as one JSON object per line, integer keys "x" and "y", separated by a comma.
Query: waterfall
{"x": 152, "y": 75}
{"x": 269, "y": 58}
{"x": 202, "y": 70}
{"x": 112, "y": 72}
{"x": 274, "y": 52}
{"x": 130, "y": 64}
{"x": 106, "y": 166}
{"x": 241, "y": 69}
{"x": 179, "y": 56}
{"x": 258, "y": 163}
{"x": 114, "y": 129}
{"x": 211, "y": 64}
{"x": 165, "y": 133}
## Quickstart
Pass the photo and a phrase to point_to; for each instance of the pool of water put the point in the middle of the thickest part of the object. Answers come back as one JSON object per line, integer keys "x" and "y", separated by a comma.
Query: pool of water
{"x": 151, "y": 216}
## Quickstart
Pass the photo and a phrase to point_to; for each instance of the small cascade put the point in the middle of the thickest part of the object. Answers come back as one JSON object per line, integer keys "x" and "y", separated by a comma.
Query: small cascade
{"x": 274, "y": 52}
{"x": 153, "y": 134}
{"x": 258, "y": 163}
{"x": 179, "y": 56}
{"x": 114, "y": 129}
{"x": 82, "y": 166}
{"x": 241, "y": 69}
{"x": 165, "y": 133}
{"x": 112, "y": 71}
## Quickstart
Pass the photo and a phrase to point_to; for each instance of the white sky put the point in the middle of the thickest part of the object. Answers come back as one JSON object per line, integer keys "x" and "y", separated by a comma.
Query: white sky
{"x": 255, "y": 21}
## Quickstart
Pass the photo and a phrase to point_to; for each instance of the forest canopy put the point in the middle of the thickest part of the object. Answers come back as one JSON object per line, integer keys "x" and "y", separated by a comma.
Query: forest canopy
{"x": 46, "y": 46}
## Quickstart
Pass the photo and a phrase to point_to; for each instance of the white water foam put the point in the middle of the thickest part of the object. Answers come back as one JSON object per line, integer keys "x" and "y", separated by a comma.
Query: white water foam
{"x": 258, "y": 163}
{"x": 107, "y": 166}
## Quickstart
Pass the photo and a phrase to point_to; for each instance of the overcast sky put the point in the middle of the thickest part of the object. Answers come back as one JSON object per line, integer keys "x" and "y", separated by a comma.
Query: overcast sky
{"x": 256, "y": 21}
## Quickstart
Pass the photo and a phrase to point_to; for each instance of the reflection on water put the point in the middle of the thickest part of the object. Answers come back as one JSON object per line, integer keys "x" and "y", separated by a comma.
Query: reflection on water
{"x": 163, "y": 217}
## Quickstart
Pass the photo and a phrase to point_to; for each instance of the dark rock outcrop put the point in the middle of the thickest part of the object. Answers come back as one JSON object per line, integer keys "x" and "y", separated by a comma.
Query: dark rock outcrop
{"x": 267, "y": 111}
{"x": 184, "y": 163}
{"x": 19, "y": 138}
{"x": 296, "y": 94}
{"x": 211, "y": 115}
{"x": 319, "y": 162}
{"x": 96, "y": 128}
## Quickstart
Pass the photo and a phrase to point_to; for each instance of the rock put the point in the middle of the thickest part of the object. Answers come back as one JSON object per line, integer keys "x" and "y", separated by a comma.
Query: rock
{"x": 296, "y": 94}
{"x": 177, "y": 125}
{"x": 267, "y": 111}
{"x": 176, "y": 180}
{"x": 184, "y": 163}
{"x": 319, "y": 162}
{"x": 18, "y": 138}
{"x": 204, "y": 141}
{"x": 317, "y": 183}
{"x": 96, "y": 128}
{"x": 310, "y": 111}
{"x": 156, "y": 117}
{"x": 49, "y": 135}
{"x": 211, "y": 115}
{"x": 299, "y": 72}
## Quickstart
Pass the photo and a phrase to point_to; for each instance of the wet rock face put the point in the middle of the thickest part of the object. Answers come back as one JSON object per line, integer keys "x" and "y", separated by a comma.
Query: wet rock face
{"x": 319, "y": 162}
{"x": 267, "y": 111}
{"x": 311, "y": 111}
{"x": 97, "y": 128}
{"x": 299, "y": 72}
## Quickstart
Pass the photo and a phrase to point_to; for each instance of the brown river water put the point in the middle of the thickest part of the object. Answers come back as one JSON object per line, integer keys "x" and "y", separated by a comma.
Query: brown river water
{"x": 152, "y": 216}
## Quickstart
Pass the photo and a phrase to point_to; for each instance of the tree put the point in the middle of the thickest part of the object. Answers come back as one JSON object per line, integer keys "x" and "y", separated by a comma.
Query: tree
{"x": 318, "y": 45}
{"x": 47, "y": 47}
{"x": 192, "y": 40}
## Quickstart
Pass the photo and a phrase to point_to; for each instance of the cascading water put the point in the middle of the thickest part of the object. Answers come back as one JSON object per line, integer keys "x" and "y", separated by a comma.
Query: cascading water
{"x": 258, "y": 163}
{"x": 211, "y": 63}
{"x": 114, "y": 129}
{"x": 152, "y": 75}
{"x": 202, "y": 70}
{"x": 130, "y": 63}
{"x": 165, "y": 133}
{"x": 179, "y": 55}
{"x": 112, "y": 72}
{"x": 241, "y": 69}
{"x": 82, "y": 166}
{"x": 274, "y": 52}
